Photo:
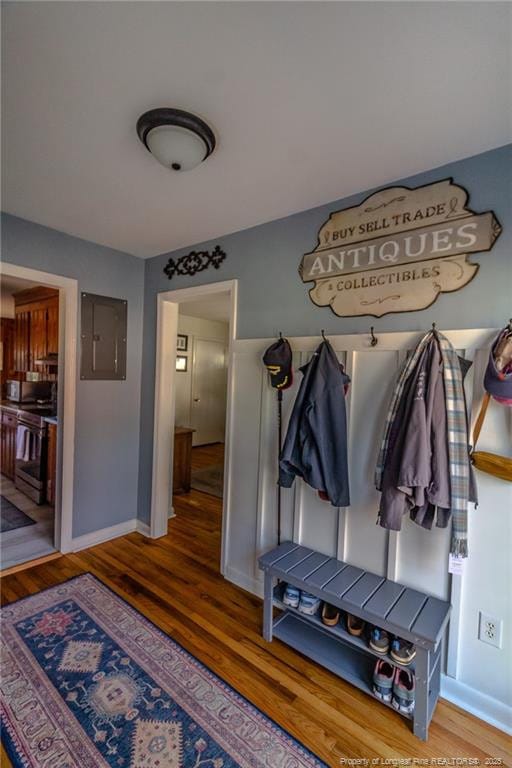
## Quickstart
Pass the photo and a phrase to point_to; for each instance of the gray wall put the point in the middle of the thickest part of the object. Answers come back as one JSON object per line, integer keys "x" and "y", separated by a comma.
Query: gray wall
{"x": 272, "y": 297}
{"x": 108, "y": 412}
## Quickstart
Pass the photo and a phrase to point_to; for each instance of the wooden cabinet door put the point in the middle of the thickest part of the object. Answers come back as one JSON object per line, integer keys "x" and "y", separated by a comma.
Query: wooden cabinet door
{"x": 38, "y": 334}
{"x": 53, "y": 326}
{"x": 8, "y": 444}
{"x": 7, "y": 327}
{"x": 51, "y": 465}
{"x": 22, "y": 339}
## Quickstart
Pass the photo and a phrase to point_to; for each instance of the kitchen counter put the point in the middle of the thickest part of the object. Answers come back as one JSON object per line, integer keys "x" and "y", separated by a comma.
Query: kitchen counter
{"x": 6, "y": 405}
{"x": 15, "y": 408}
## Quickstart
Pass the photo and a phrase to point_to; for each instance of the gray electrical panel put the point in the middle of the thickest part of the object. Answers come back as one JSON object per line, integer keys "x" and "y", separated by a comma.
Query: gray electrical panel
{"x": 103, "y": 337}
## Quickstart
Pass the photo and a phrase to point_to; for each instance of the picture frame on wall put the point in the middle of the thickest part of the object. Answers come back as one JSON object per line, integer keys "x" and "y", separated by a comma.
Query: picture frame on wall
{"x": 181, "y": 363}
{"x": 182, "y": 342}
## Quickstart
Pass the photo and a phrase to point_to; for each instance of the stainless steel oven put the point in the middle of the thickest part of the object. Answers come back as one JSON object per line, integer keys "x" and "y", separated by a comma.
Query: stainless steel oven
{"x": 31, "y": 453}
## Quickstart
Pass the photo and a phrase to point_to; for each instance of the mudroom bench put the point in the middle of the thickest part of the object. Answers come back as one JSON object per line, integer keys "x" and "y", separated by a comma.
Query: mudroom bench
{"x": 401, "y": 611}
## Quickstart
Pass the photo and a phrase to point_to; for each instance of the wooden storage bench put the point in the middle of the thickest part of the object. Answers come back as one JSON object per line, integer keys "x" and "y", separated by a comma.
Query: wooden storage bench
{"x": 407, "y": 613}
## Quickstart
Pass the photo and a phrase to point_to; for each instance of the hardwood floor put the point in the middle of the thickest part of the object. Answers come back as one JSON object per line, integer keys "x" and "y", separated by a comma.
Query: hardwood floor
{"x": 207, "y": 455}
{"x": 175, "y": 582}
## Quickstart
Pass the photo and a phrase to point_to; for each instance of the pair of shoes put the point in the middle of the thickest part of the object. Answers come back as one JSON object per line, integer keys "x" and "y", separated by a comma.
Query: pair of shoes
{"x": 395, "y": 686}
{"x": 330, "y": 615}
{"x": 402, "y": 652}
{"x": 303, "y": 601}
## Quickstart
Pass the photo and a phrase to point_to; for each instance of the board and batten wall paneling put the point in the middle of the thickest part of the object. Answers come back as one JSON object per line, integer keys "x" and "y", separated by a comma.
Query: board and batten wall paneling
{"x": 413, "y": 556}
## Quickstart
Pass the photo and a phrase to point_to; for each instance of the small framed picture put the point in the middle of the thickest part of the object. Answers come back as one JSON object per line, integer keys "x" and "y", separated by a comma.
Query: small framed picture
{"x": 182, "y": 342}
{"x": 181, "y": 362}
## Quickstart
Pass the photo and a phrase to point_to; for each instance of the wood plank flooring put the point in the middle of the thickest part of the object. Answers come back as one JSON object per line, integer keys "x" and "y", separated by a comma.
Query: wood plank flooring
{"x": 175, "y": 582}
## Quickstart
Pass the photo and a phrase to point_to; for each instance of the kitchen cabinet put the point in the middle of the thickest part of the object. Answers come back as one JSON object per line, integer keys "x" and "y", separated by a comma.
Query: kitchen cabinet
{"x": 182, "y": 462}
{"x": 22, "y": 339}
{"x": 8, "y": 425}
{"x": 51, "y": 464}
{"x": 36, "y": 327}
{"x": 8, "y": 368}
{"x": 52, "y": 330}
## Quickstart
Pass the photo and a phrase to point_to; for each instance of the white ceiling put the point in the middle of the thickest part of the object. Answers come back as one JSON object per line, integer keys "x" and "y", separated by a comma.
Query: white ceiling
{"x": 217, "y": 308}
{"x": 310, "y": 102}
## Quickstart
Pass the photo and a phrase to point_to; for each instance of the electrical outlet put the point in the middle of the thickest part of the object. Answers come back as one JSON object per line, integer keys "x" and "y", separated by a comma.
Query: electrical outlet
{"x": 490, "y": 629}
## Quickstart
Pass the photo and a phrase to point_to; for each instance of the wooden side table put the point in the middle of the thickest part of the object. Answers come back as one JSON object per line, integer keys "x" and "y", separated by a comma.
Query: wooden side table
{"x": 182, "y": 465}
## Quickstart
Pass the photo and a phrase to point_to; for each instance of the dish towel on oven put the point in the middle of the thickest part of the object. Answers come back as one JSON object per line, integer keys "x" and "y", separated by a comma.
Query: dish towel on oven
{"x": 23, "y": 441}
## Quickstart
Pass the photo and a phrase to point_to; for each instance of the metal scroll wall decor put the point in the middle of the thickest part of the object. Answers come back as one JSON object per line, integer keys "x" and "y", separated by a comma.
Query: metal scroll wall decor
{"x": 195, "y": 261}
{"x": 398, "y": 250}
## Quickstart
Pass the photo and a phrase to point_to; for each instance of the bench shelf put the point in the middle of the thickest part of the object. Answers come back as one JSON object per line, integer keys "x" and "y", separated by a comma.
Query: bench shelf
{"x": 407, "y": 613}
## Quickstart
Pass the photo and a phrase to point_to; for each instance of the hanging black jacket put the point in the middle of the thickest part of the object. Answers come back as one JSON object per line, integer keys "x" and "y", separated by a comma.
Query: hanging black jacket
{"x": 315, "y": 447}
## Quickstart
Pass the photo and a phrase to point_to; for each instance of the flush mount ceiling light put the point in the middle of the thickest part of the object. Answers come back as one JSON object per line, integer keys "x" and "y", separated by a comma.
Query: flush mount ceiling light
{"x": 178, "y": 139}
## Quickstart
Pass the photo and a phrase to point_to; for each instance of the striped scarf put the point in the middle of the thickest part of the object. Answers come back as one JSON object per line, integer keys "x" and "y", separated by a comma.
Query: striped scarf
{"x": 456, "y": 422}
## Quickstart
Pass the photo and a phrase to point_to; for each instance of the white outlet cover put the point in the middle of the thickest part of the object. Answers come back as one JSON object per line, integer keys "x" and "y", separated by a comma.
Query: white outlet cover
{"x": 490, "y": 630}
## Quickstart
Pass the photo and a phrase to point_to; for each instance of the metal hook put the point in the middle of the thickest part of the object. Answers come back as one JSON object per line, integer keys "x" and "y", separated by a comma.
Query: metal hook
{"x": 433, "y": 326}
{"x": 323, "y": 334}
{"x": 373, "y": 339}
{"x": 510, "y": 325}
{"x": 280, "y": 335}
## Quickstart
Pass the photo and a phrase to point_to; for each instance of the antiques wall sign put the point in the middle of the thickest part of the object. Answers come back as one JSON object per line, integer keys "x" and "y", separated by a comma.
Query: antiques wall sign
{"x": 398, "y": 250}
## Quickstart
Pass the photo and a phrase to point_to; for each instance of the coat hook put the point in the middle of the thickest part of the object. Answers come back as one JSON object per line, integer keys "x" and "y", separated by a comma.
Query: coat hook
{"x": 433, "y": 326}
{"x": 373, "y": 339}
{"x": 510, "y": 325}
{"x": 323, "y": 334}
{"x": 280, "y": 335}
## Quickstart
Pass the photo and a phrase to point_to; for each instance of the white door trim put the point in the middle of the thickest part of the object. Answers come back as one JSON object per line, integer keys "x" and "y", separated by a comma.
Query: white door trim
{"x": 165, "y": 372}
{"x": 67, "y": 373}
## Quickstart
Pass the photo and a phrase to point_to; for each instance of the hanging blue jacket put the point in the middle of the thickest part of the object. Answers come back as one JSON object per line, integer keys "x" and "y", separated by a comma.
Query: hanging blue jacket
{"x": 315, "y": 446}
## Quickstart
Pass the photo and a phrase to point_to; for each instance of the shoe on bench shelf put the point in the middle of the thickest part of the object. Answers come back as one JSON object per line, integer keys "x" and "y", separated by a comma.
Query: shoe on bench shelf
{"x": 379, "y": 640}
{"x": 291, "y": 596}
{"x": 330, "y": 615}
{"x": 383, "y": 676}
{"x": 404, "y": 691}
{"x": 355, "y": 625}
{"x": 402, "y": 652}
{"x": 309, "y": 604}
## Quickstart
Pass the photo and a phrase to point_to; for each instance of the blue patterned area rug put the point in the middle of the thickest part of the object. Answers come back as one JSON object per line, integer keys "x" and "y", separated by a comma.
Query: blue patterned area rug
{"x": 88, "y": 682}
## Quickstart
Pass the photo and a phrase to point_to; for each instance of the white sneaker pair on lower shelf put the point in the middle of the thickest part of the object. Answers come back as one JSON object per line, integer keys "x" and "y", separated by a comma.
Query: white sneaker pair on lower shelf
{"x": 303, "y": 601}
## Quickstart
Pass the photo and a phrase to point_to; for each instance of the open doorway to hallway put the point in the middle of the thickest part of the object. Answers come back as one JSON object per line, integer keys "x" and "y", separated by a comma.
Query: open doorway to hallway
{"x": 196, "y": 328}
{"x": 202, "y": 349}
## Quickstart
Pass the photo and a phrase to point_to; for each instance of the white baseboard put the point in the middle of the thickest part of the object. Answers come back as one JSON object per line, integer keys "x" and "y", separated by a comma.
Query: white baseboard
{"x": 243, "y": 581}
{"x": 106, "y": 534}
{"x": 143, "y": 528}
{"x": 479, "y": 704}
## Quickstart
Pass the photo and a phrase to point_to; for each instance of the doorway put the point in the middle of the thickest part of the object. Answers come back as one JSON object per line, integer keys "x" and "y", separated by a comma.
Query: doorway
{"x": 37, "y": 413}
{"x": 191, "y": 459}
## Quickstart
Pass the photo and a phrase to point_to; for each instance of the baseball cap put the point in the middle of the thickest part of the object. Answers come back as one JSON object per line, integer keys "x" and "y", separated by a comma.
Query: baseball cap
{"x": 498, "y": 374}
{"x": 278, "y": 360}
